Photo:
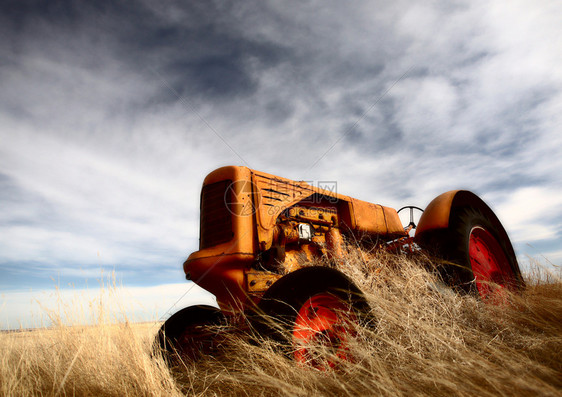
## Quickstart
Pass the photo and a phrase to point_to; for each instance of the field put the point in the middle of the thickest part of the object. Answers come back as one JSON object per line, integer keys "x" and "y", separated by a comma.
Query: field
{"x": 426, "y": 341}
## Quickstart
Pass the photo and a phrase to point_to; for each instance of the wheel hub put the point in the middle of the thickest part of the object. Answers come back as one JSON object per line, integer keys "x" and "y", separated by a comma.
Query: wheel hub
{"x": 322, "y": 328}
{"x": 489, "y": 264}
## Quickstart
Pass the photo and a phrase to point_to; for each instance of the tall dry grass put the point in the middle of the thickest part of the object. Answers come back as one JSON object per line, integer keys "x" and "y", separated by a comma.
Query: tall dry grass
{"x": 425, "y": 341}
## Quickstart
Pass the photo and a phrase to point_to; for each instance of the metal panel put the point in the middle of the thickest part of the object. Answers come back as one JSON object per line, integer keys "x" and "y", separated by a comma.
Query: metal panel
{"x": 216, "y": 219}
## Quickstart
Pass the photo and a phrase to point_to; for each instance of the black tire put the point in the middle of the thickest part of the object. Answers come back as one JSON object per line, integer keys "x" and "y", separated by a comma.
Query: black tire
{"x": 308, "y": 289}
{"x": 479, "y": 257}
{"x": 190, "y": 334}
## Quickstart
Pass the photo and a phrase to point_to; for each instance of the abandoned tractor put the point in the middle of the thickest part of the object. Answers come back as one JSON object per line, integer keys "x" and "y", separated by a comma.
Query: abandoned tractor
{"x": 260, "y": 240}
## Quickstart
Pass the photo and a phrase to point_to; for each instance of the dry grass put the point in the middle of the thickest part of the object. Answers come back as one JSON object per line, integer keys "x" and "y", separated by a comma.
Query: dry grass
{"x": 425, "y": 341}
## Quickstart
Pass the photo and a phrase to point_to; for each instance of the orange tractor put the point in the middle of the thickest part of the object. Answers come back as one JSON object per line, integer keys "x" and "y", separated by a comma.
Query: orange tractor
{"x": 261, "y": 237}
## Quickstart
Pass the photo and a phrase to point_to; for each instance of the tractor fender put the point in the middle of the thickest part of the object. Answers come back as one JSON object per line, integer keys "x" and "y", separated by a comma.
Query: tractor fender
{"x": 437, "y": 215}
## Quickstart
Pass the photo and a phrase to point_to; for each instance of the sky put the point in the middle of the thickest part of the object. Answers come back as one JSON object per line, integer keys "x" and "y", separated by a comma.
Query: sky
{"x": 113, "y": 112}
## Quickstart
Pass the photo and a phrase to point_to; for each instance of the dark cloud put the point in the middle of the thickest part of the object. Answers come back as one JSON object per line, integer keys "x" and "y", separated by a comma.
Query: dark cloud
{"x": 199, "y": 48}
{"x": 20, "y": 13}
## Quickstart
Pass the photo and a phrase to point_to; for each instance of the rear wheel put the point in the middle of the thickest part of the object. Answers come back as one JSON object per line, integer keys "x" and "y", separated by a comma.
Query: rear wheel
{"x": 484, "y": 262}
{"x": 190, "y": 334}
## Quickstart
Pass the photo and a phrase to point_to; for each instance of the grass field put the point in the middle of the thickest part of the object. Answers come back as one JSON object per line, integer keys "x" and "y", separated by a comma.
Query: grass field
{"x": 426, "y": 341}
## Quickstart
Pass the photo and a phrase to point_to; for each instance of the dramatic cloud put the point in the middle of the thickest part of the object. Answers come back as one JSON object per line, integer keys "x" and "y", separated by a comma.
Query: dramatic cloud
{"x": 112, "y": 113}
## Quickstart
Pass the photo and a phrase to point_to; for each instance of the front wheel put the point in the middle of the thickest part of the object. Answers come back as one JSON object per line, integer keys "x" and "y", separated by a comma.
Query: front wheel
{"x": 321, "y": 331}
{"x": 313, "y": 312}
{"x": 190, "y": 334}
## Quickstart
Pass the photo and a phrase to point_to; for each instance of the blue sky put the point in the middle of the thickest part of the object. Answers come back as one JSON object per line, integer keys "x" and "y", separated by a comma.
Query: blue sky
{"x": 112, "y": 113}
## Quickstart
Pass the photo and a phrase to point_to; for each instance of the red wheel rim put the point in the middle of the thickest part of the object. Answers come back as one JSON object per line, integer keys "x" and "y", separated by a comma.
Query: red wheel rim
{"x": 323, "y": 324}
{"x": 489, "y": 264}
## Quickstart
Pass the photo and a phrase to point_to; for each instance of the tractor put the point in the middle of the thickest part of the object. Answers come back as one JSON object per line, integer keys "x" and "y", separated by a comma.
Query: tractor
{"x": 261, "y": 238}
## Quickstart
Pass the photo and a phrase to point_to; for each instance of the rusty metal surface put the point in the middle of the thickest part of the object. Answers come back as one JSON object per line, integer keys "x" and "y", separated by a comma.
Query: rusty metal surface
{"x": 436, "y": 215}
{"x": 260, "y": 281}
{"x": 277, "y": 226}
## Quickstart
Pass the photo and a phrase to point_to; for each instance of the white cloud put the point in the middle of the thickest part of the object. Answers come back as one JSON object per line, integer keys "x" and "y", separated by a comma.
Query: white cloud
{"x": 525, "y": 211}
{"x": 427, "y": 111}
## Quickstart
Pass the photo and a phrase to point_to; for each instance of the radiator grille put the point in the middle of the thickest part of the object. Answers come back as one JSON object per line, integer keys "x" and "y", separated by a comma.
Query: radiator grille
{"x": 216, "y": 219}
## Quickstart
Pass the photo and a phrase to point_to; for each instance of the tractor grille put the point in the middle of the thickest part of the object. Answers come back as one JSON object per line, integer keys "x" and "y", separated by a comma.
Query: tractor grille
{"x": 216, "y": 219}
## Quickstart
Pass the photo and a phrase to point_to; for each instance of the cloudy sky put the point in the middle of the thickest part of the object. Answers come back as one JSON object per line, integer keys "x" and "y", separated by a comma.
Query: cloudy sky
{"x": 112, "y": 113}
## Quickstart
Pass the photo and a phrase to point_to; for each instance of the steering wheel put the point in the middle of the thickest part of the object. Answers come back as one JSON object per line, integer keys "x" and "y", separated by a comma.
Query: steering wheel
{"x": 412, "y": 224}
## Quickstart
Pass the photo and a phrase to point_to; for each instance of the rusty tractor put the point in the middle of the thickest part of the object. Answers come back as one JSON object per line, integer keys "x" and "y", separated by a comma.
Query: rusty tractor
{"x": 261, "y": 236}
